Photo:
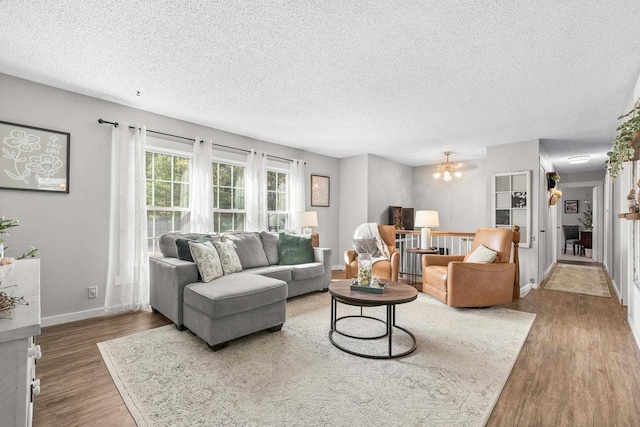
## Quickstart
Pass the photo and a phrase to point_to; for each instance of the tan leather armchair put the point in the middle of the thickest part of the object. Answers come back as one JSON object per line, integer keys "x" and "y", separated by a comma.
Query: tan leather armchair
{"x": 387, "y": 270}
{"x": 466, "y": 284}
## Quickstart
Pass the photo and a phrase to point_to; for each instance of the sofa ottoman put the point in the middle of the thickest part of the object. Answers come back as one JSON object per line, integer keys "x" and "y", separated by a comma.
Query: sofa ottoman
{"x": 233, "y": 306}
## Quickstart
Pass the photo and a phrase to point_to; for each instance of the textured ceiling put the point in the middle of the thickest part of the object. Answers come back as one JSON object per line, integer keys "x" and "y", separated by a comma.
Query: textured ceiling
{"x": 405, "y": 80}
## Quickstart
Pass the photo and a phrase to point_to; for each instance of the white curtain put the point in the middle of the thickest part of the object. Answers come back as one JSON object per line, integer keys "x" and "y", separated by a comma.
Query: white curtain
{"x": 201, "y": 187}
{"x": 256, "y": 191}
{"x": 128, "y": 263}
{"x": 296, "y": 192}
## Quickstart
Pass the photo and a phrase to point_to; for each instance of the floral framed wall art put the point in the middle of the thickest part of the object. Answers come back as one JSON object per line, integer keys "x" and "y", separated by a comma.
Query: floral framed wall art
{"x": 34, "y": 159}
{"x": 320, "y": 190}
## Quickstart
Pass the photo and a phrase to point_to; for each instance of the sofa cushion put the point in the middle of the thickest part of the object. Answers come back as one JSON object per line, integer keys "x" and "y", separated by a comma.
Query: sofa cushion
{"x": 295, "y": 249}
{"x": 482, "y": 254}
{"x": 270, "y": 245}
{"x": 182, "y": 246}
{"x": 207, "y": 259}
{"x": 249, "y": 249}
{"x": 366, "y": 246}
{"x": 167, "y": 242}
{"x": 306, "y": 271}
{"x": 235, "y": 293}
{"x": 280, "y": 272}
{"x": 228, "y": 257}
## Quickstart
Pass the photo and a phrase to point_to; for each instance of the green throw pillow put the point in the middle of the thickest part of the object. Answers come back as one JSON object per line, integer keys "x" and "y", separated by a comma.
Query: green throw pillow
{"x": 182, "y": 246}
{"x": 295, "y": 249}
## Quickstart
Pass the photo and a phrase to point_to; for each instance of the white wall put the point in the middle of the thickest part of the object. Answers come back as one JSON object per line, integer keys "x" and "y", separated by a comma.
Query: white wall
{"x": 71, "y": 230}
{"x": 519, "y": 156}
{"x": 389, "y": 184}
{"x": 461, "y": 202}
{"x": 353, "y": 199}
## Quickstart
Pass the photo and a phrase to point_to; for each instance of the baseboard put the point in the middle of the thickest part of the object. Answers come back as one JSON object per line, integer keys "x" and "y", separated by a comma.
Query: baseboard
{"x": 524, "y": 290}
{"x": 615, "y": 289}
{"x": 337, "y": 267}
{"x": 634, "y": 331}
{"x": 72, "y": 317}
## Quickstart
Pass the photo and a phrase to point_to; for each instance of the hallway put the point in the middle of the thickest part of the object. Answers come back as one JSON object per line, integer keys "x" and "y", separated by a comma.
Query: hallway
{"x": 579, "y": 366}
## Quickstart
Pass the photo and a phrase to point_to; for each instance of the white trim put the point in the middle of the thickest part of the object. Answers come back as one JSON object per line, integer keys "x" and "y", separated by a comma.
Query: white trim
{"x": 169, "y": 152}
{"x": 615, "y": 289}
{"x": 72, "y": 317}
{"x": 337, "y": 267}
{"x": 524, "y": 290}
{"x": 636, "y": 333}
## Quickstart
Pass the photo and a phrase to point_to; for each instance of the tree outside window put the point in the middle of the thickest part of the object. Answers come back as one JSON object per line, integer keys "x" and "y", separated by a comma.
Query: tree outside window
{"x": 167, "y": 179}
{"x": 277, "y": 200}
{"x": 228, "y": 197}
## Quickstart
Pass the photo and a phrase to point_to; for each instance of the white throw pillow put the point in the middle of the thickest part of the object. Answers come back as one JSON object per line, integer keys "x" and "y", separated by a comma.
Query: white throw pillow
{"x": 482, "y": 254}
{"x": 207, "y": 259}
{"x": 228, "y": 257}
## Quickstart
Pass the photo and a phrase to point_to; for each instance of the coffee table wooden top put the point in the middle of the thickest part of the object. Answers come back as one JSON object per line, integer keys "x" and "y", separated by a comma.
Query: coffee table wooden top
{"x": 394, "y": 293}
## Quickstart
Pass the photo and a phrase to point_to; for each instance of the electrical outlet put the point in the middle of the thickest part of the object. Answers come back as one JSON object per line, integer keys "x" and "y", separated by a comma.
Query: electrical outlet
{"x": 93, "y": 292}
{"x": 531, "y": 280}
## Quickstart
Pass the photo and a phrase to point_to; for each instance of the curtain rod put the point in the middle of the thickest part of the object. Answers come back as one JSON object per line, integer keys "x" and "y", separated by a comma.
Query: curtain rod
{"x": 116, "y": 124}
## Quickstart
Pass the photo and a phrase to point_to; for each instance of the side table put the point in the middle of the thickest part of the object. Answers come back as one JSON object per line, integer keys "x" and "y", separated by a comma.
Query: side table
{"x": 415, "y": 262}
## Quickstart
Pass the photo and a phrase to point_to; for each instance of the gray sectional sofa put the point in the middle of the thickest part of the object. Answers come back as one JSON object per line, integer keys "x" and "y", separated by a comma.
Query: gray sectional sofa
{"x": 236, "y": 304}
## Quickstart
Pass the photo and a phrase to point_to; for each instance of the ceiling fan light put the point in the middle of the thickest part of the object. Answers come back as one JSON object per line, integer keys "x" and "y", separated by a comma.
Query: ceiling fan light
{"x": 436, "y": 175}
{"x": 458, "y": 174}
{"x": 583, "y": 158}
{"x": 446, "y": 176}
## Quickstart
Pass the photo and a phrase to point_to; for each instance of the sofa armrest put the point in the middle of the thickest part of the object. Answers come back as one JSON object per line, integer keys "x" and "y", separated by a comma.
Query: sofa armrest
{"x": 323, "y": 255}
{"x": 167, "y": 279}
{"x": 428, "y": 260}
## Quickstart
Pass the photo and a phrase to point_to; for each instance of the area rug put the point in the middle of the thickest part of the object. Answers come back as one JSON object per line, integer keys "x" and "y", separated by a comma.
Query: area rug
{"x": 297, "y": 377}
{"x": 579, "y": 279}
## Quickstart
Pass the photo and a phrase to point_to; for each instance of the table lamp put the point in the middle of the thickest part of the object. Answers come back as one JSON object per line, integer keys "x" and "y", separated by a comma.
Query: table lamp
{"x": 307, "y": 219}
{"x": 426, "y": 219}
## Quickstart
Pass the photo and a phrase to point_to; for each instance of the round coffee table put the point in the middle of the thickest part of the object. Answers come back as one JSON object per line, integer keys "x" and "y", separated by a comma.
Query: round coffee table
{"x": 394, "y": 293}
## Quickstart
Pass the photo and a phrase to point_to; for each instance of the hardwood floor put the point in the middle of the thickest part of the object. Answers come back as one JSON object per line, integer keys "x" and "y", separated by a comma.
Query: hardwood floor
{"x": 579, "y": 367}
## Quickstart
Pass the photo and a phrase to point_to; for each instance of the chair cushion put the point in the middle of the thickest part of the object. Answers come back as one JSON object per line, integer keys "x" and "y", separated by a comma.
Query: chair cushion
{"x": 235, "y": 293}
{"x": 482, "y": 254}
{"x": 436, "y": 276}
{"x": 207, "y": 260}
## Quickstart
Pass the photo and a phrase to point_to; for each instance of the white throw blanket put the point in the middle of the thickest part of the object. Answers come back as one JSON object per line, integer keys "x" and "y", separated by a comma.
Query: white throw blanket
{"x": 370, "y": 230}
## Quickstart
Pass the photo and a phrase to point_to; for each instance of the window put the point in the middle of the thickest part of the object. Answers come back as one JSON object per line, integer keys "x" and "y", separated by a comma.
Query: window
{"x": 228, "y": 197}
{"x": 277, "y": 200}
{"x": 167, "y": 196}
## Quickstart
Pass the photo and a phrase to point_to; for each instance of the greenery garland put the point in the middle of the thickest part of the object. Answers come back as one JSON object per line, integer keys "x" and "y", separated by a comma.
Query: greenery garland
{"x": 622, "y": 151}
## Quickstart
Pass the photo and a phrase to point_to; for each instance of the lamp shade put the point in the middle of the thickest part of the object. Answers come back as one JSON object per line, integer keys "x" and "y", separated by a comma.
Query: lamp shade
{"x": 427, "y": 219}
{"x": 308, "y": 219}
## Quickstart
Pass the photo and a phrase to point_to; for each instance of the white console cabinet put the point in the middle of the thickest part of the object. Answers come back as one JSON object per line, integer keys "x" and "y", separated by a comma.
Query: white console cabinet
{"x": 18, "y": 352}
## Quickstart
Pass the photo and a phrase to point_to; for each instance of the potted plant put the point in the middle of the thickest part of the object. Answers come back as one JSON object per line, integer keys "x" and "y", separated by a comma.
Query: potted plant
{"x": 6, "y": 224}
{"x": 626, "y": 144}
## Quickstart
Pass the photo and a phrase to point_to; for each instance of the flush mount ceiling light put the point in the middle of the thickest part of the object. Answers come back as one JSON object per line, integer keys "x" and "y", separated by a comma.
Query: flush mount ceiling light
{"x": 583, "y": 158}
{"x": 447, "y": 169}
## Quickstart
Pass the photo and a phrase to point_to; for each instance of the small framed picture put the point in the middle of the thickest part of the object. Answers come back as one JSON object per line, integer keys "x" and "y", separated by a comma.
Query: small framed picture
{"x": 571, "y": 206}
{"x": 34, "y": 159}
{"x": 320, "y": 190}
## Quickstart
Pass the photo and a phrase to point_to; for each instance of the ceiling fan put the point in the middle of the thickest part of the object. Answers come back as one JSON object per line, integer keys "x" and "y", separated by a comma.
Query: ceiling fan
{"x": 448, "y": 170}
